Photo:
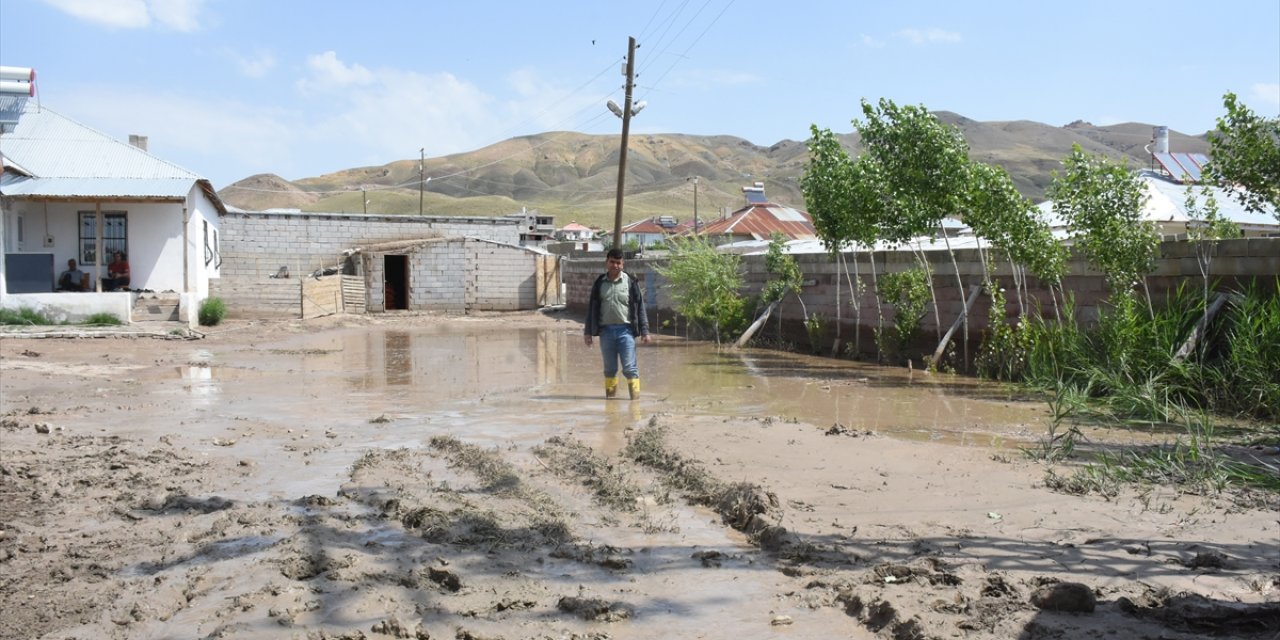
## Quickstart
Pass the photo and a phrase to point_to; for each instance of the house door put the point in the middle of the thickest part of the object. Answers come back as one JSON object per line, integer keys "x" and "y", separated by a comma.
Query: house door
{"x": 395, "y": 271}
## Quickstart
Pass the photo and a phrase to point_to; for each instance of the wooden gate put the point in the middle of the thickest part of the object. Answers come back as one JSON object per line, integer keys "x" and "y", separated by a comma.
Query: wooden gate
{"x": 547, "y": 276}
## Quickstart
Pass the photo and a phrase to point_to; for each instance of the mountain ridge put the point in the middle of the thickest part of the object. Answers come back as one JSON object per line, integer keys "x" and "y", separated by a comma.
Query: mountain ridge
{"x": 573, "y": 176}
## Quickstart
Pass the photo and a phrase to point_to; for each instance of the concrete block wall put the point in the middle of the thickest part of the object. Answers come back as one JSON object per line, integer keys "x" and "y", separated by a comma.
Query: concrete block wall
{"x": 438, "y": 277}
{"x": 256, "y": 244}
{"x": 502, "y": 277}
{"x": 457, "y": 275}
{"x": 827, "y": 291}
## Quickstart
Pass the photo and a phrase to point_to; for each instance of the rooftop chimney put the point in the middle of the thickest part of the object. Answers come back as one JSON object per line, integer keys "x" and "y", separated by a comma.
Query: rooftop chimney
{"x": 138, "y": 141}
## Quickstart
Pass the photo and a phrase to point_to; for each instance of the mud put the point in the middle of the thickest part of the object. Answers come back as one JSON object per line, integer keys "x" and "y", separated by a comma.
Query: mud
{"x": 427, "y": 477}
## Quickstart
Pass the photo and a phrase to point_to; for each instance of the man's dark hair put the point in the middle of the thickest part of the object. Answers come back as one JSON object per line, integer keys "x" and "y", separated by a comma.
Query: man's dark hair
{"x": 614, "y": 254}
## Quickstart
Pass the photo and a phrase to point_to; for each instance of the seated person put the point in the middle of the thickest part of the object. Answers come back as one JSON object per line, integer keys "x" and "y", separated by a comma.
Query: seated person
{"x": 117, "y": 273}
{"x": 72, "y": 279}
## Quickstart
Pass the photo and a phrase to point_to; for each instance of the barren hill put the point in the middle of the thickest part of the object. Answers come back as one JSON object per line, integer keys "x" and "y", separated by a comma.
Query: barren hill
{"x": 573, "y": 176}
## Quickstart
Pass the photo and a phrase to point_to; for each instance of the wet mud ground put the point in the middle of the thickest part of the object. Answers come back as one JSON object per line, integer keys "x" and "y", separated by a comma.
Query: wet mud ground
{"x": 419, "y": 476}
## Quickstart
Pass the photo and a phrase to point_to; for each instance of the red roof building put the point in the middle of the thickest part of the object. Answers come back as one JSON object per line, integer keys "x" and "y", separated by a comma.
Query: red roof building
{"x": 759, "y": 220}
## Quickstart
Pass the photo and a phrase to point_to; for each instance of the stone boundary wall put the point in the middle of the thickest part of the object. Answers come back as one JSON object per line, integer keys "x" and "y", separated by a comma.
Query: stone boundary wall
{"x": 255, "y": 245}
{"x": 827, "y": 291}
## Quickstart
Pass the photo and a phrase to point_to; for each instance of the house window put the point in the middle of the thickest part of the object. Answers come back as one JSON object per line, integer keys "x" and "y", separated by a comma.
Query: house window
{"x": 115, "y": 236}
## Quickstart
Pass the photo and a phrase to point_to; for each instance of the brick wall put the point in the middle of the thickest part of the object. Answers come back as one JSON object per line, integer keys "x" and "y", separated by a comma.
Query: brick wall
{"x": 827, "y": 291}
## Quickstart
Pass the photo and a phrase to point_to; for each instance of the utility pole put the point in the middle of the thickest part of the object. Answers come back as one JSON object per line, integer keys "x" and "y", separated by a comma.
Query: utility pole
{"x": 364, "y": 200}
{"x": 422, "y": 182}
{"x": 626, "y": 129}
{"x": 695, "y": 205}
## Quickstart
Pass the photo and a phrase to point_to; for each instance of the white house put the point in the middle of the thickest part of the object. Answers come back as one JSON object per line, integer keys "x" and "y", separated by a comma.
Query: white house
{"x": 574, "y": 231}
{"x": 68, "y": 191}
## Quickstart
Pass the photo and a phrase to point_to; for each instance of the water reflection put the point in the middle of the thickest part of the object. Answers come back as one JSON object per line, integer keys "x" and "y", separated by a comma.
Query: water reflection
{"x": 532, "y": 380}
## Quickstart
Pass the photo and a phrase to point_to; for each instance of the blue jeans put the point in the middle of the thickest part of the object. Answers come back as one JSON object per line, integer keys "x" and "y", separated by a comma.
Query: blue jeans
{"x": 617, "y": 343}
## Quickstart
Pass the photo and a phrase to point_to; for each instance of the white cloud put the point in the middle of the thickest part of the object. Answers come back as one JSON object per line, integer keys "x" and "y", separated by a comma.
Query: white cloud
{"x": 254, "y": 65}
{"x": 329, "y": 73}
{"x": 179, "y": 15}
{"x": 871, "y": 42}
{"x": 1267, "y": 93}
{"x": 931, "y": 35}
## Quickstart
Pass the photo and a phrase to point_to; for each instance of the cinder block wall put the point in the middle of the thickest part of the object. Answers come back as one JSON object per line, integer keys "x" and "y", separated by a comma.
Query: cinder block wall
{"x": 501, "y": 277}
{"x": 827, "y": 291}
{"x": 254, "y": 245}
{"x": 458, "y": 275}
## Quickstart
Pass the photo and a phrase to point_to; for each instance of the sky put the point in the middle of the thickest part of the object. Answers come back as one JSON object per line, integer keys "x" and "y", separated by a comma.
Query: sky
{"x": 233, "y": 88}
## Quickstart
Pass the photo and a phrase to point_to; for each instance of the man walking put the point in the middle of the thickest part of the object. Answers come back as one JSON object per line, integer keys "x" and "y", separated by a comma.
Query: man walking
{"x": 616, "y": 313}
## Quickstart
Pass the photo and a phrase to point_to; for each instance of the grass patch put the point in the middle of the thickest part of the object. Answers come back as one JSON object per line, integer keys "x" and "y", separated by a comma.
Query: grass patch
{"x": 103, "y": 319}
{"x": 24, "y": 316}
{"x": 211, "y": 311}
{"x": 1196, "y": 465}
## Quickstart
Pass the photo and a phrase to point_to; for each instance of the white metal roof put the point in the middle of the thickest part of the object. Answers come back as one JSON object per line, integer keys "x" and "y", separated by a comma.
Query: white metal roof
{"x": 1166, "y": 202}
{"x": 66, "y": 159}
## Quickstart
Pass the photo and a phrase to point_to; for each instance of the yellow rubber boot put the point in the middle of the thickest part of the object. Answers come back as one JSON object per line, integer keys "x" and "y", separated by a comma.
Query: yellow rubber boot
{"x": 633, "y": 385}
{"x": 611, "y": 387}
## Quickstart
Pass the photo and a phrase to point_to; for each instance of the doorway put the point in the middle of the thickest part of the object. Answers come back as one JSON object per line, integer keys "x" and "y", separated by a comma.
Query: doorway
{"x": 395, "y": 278}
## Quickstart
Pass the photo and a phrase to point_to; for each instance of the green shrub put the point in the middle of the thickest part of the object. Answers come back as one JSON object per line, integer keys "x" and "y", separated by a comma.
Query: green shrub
{"x": 23, "y": 316}
{"x": 212, "y": 311}
{"x": 103, "y": 318}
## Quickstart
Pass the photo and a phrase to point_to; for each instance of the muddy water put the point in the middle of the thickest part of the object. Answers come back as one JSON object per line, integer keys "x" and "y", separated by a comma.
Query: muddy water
{"x": 518, "y": 387}
{"x": 522, "y": 379}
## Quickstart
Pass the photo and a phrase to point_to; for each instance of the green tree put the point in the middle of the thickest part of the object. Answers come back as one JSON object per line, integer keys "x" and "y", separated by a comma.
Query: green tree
{"x": 1246, "y": 156}
{"x": 1101, "y": 202}
{"x": 844, "y": 211}
{"x": 704, "y": 285}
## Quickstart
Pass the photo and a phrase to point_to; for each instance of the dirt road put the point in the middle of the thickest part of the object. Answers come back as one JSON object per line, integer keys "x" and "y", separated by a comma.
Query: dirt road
{"x": 417, "y": 476}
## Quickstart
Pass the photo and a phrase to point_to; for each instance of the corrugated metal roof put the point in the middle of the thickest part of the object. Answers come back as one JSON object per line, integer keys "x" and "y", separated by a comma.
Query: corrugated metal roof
{"x": 1166, "y": 202}
{"x": 761, "y": 221}
{"x": 67, "y": 159}
{"x": 105, "y": 188}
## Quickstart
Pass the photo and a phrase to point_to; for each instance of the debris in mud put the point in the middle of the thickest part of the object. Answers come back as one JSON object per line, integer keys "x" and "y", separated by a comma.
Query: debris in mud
{"x": 507, "y": 604}
{"x": 1195, "y": 613}
{"x": 464, "y": 634}
{"x": 1206, "y": 560}
{"x": 595, "y": 609}
{"x": 997, "y": 587}
{"x": 182, "y": 502}
{"x": 709, "y": 559}
{"x": 316, "y": 501}
{"x": 610, "y": 485}
{"x": 29, "y": 353}
{"x": 382, "y": 419}
{"x": 607, "y": 556}
{"x": 396, "y": 629}
{"x": 781, "y": 621}
{"x": 448, "y": 580}
{"x": 838, "y": 429}
{"x": 1068, "y": 597}
{"x": 752, "y": 510}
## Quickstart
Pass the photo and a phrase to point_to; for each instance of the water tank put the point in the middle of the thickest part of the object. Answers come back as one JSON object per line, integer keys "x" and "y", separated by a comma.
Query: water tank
{"x": 1161, "y": 137}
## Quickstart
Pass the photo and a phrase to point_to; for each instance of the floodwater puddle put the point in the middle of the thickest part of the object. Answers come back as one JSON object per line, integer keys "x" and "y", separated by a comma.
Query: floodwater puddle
{"x": 525, "y": 384}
